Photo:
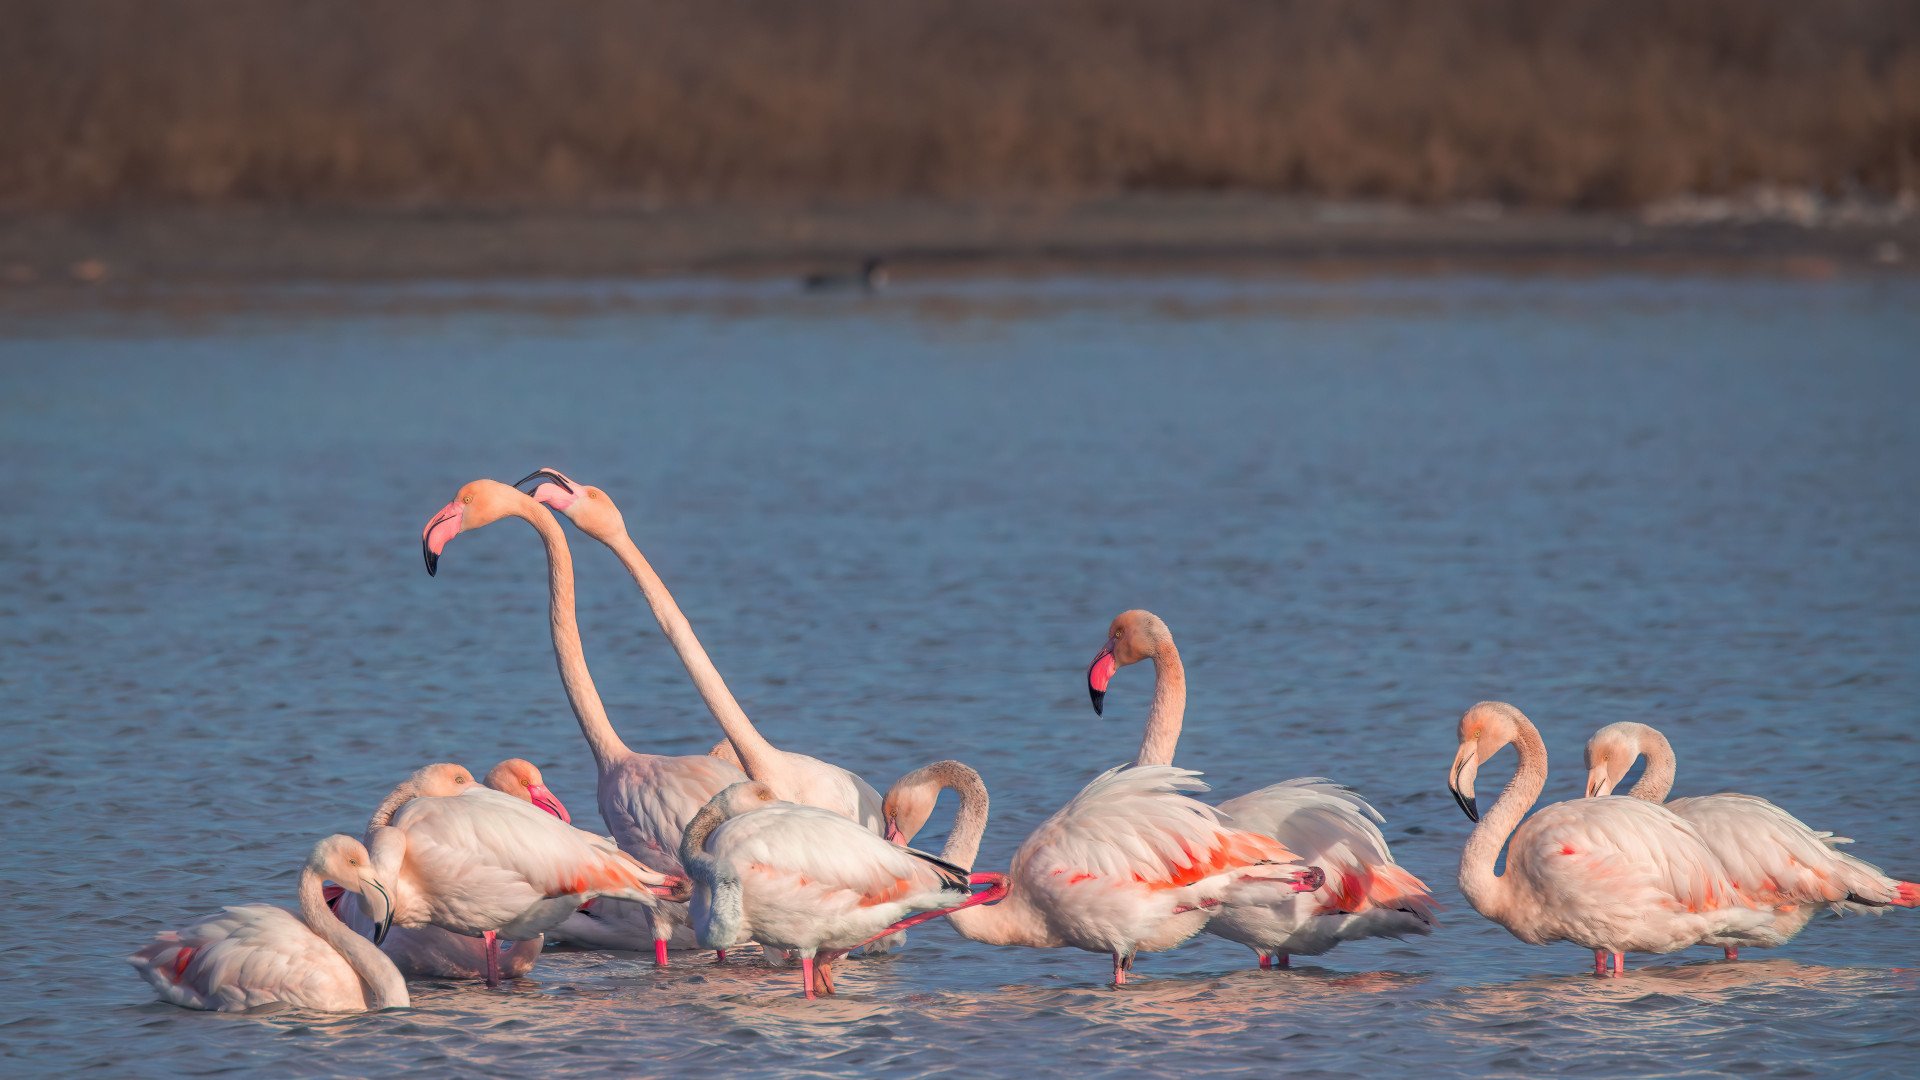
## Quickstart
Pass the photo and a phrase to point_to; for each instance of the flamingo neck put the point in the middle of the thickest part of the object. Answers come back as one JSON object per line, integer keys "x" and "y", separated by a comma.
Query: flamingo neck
{"x": 380, "y": 980}
{"x": 970, "y": 823}
{"x": 564, "y": 624}
{"x": 1169, "y": 706}
{"x": 1656, "y": 781}
{"x": 383, "y": 814}
{"x": 1488, "y": 892}
{"x": 759, "y": 759}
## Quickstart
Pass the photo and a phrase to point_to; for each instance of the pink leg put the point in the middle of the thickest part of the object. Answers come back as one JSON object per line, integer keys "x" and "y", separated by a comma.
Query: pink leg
{"x": 1283, "y": 961}
{"x": 1119, "y": 971}
{"x": 493, "y": 959}
{"x": 1599, "y": 961}
{"x": 1733, "y": 954}
{"x": 1265, "y": 961}
{"x": 1619, "y": 964}
{"x": 660, "y": 952}
{"x": 719, "y": 956}
{"x": 806, "y": 974}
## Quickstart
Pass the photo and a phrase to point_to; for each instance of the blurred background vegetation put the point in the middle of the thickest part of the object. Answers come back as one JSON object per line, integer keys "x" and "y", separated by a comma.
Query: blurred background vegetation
{"x": 1568, "y": 104}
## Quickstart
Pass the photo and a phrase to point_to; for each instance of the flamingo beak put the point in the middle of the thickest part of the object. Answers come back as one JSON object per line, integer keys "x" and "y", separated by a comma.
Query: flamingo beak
{"x": 443, "y": 527}
{"x": 556, "y": 491}
{"x": 1599, "y": 782}
{"x": 1466, "y": 765}
{"x": 385, "y": 925}
{"x": 1099, "y": 676}
{"x": 675, "y": 888}
{"x": 894, "y": 835}
{"x": 548, "y": 801}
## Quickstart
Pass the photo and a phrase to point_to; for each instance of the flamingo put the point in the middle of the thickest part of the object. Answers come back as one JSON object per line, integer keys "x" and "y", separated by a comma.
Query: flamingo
{"x": 254, "y": 954}
{"x": 475, "y": 861}
{"x": 1132, "y": 864}
{"x": 794, "y": 778}
{"x": 1367, "y": 894}
{"x": 1611, "y": 874}
{"x": 804, "y": 879}
{"x": 430, "y": 952}
{"x": 645, "y": 800}
{"x": 1771, "y": 855}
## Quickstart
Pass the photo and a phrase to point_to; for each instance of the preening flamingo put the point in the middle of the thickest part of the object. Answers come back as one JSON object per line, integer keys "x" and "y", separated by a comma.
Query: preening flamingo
{"x": 1613, "y": 874}
{"x": 1774, "y": 857}
{"x": 254, "y": 954}
{"x": 794, "y": 778}
{"x": 471, "y": 860}
{"x": 803, "y": 879}
{"x": 646, "y": 800}
{"x": 1132, "y": 864}
{"x": 1367, "y": 894}
{"x": 430, "y": 952}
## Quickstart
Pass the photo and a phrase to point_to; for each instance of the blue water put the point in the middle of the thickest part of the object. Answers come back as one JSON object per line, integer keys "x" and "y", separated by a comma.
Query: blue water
{"x": 900, "y": 525}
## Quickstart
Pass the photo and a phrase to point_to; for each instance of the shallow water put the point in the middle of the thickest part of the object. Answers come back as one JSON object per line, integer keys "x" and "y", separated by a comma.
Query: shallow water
{"x": 901, "y": 525}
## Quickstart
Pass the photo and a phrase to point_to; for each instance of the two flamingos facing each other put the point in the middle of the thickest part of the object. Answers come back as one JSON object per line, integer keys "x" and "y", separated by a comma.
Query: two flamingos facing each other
{"x": 1366, "y": 894}
{"x": 256, "y": 954}
{"x": 1775, "y": 859}
{"x": 1610, "y": 874}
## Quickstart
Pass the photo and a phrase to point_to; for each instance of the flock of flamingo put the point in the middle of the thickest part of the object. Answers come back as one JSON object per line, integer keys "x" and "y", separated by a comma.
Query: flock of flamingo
{"x": 754, "y": 845}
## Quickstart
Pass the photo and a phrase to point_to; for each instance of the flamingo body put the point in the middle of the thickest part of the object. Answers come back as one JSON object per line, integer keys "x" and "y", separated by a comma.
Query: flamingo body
{"x": 247, "y": 956}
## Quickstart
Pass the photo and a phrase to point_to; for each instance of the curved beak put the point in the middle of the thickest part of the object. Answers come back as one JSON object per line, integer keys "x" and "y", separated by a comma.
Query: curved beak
{"x": 551, "y": 475}
{"x": 548, "y": 801}
{"x": 675, "y": 888}
{"x": 1099, "y": 676}
{"x": 385, "y": 925}
{"x": 441, "y": 528}
{"x": 1466, "y": 765}
{"x": 1599, "y": 782}
{"x": 894, "y": 835}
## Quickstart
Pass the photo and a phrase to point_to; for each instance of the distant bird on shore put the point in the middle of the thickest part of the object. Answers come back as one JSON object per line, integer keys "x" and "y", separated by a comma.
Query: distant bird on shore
{"x": 871, "y": 278}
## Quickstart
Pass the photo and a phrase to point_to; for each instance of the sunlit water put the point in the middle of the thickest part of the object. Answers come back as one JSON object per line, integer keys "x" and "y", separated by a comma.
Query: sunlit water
{"x": 901, "y": 525}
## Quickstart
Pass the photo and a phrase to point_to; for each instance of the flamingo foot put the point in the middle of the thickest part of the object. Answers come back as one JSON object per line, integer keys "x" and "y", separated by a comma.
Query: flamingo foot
{"x": 493, "y": 960}
{"x": 1733, "y": 954}
{"x": 659, "y": 952}
{"x": 806, "y": 975}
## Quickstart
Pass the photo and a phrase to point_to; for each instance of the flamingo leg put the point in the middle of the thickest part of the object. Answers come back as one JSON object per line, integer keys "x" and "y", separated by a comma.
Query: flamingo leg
{"x": 719, "y": 956}
{"x": 1283, "y": 961}
{"x": 1599, "y": 961}
{"x": 660, "y": 952}
{"x": 823, "y": 970}
{"x": 1733, "y": 954}
{"x": 493, "y": 959}
{"x": 806, "y": 975}
{"x": 1619, "y": 964}
{"x": 1265, "y": 961}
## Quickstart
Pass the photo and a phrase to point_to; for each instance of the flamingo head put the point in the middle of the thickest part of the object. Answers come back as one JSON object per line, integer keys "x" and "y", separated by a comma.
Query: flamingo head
{"x": 746, "y": 797}
{"x": 910, "y": 801}
{"x": 1485, "y": 728}
{"x": 1133, "y": 636}
{"x": 519, "y": 778}
{"x": 476, "y": 505}
{"x": 588, "y": 507}
{"x": 439, "y": 781}
{"x": 1613, "y": 750}
{"x": 346, "y": 861}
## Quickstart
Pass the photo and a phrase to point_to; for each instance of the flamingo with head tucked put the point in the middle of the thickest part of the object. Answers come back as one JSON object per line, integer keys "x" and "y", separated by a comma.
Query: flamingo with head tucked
{"x": 794, "y": 778}
{"x": 646, "y": 800}
{"x": 430, "y": 952}
{"x": 255, "y": 954}
{"x": 1366, "y": 894}
{"x": 804, "y": 879}
{"x": 475, "y": 861}
{"x": 1132, "y": 864}
{"x": 1613, "y": 874}
{"x": 1774, "y": 857}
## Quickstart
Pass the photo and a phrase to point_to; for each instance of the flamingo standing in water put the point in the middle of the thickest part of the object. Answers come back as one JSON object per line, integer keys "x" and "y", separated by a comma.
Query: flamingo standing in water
{"x": 475, "y": 861}
{"x": 1366, "y": 893}
{"x": 430, "y": 952}
{"x": 1774, "y": 858}
{"x": 1132, "y": 864}
{"x": 804, "y": 879}
{"x": 1613, "y": 874}
{"x": 646, "y": 800}
{"x": 795, "y": 778}
{"x": 254, "y": 954}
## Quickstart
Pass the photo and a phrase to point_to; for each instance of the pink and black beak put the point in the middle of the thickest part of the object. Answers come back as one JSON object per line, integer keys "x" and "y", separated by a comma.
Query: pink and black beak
{"x": 894, "y": 835}
{"x": 554, "y": 489}
{"x": 442, "y": 527}
{"x": 1099, "y": 675}
{"x": 548, "y": 801}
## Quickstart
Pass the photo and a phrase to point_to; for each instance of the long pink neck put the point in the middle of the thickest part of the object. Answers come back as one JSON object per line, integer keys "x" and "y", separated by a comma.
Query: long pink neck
{"x": 383, "y": 814}
{"x": 1012, "y": 921}
{"x": 379, "y": 979}
{"x": 758, "y": 757}
{"x": 1491, "y": 894}
{"x": 1656, "y": 780}
{"x": 1168, "y": 709}
{"x": 564, "y": 624}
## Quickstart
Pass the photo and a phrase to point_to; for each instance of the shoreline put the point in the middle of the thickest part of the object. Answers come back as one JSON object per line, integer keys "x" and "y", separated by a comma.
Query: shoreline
{"x": 1136, "y": 235}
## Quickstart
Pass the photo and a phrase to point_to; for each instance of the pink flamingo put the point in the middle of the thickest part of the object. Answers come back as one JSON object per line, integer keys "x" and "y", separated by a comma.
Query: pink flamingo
{"x": 254, "y": 954}
{"x": 1132, "y": 864}
{"x": 1367, "y": 894}
{"x": 646, "y": 800}
{"x": 430, "y": 952}
{"x": 1774, "y": 858}
{"x": 475, "y": 861}
{"x": 1614, "y": 875}
{"x": 794, "y": 778}
{"x": 805, "y": 880}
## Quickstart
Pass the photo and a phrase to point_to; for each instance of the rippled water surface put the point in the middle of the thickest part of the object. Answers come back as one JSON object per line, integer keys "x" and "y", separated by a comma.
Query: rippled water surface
{"x": 901, "y": 526}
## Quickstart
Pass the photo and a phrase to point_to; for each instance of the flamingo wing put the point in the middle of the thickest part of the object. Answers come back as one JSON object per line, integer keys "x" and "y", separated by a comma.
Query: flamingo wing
{"x": 1775, "y": 858}
{"x": 816, "y": 846}
{"x": 246, "y": 956}
{"x": 484, "y": 842}
{"x": 1332, "y": 827}
{"x": 1623, "y": 851}
{"x": 649, "y": 800}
